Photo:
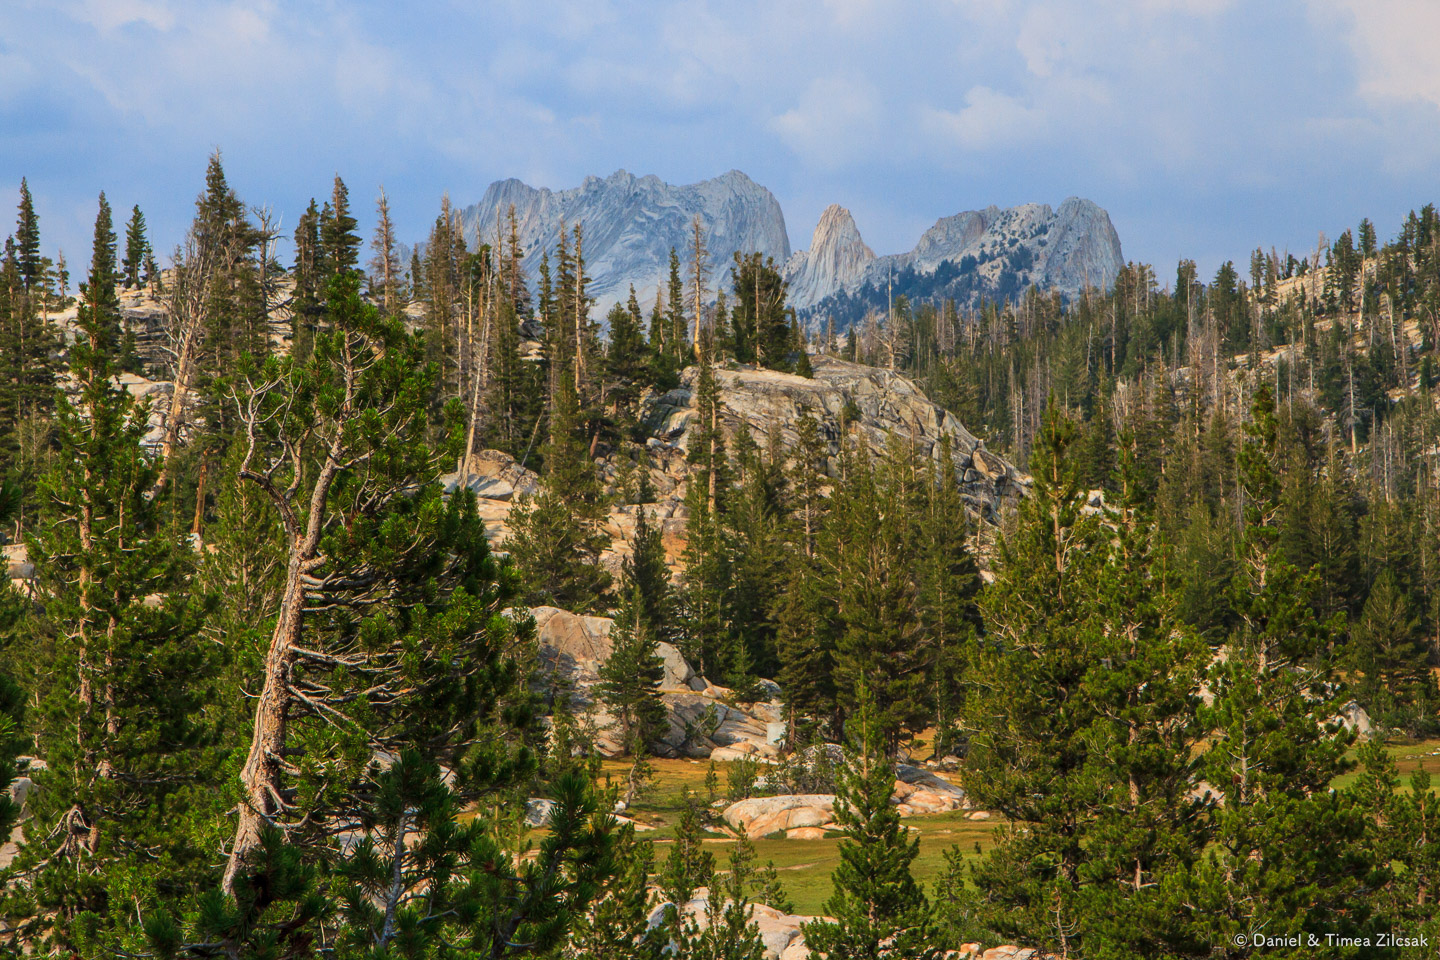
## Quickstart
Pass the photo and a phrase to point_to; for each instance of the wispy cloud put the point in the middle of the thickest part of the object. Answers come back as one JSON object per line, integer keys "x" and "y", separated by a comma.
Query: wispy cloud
{"x": 1205, "y": 126}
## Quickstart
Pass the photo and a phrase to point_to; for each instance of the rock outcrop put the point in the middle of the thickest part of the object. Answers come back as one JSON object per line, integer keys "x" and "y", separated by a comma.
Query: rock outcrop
{"x": 762, "y": 816}
{"x": 880, "y": 405}
{"x": 631, "y": 223}
{"x": 844, "y": 398}
{"x": 700, "y": 716}
{"x": 916, "y": 792}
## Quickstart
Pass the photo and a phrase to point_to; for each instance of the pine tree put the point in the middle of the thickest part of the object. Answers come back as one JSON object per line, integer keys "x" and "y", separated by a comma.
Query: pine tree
{"x": 123, "y": 766}
{"x": 1403, "y": 833}
{"x": 625, "y": 360}
{"x": 436, "y": 885}
{"x": 555, "y": 537}
{"x": 1387, "y": 653}
{"x": 29, "y": 347}
{"x": 1281, "y": 836}
{"x": 1144, "y": 738}
{"x": 729, "y": 932}
{"x": 949, "y": 581}
{"x": 27, "y": 240}
{"x": 630, "y": 677}
{"x": 677, "y": 337}
{"x": 755, "y": 519}
{"x": 385, "y": 267}
{"x": 235, "y": 312}
{"x": 705, "y": 583}
{"x": 337, "y": 232}
{"x": 689, "y": 866}
{"x": 761, "y": 321}
{"x": 879, "y": 909}
{"x": 513, "y": 394}
{"x": 1028, "y": 721}
{"x": 137, "y": 249}
{"x": 646, "y": 568}
{"x": 306, "y": 308}
{"x": 867, "y": 550}
{"x": 99, "y": 290}
{"x": 617, "y": 926}
{"x": 358, "y": 596}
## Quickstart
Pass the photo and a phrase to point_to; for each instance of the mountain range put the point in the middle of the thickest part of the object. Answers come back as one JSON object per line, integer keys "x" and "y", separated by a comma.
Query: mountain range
{"x": 630, "y": 224}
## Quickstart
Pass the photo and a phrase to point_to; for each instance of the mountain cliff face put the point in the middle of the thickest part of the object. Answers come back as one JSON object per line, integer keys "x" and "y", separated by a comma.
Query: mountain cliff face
{"x": 836, "y": 259}
{"x": 991, "y": 253}
{"x": 631, "y": 223}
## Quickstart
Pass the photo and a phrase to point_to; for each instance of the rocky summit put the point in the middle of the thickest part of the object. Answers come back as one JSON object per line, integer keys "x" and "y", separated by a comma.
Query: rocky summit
{"x": 630, "y": 224}
{"x": 992, "y": 253}
{"x": 836, "y": 260}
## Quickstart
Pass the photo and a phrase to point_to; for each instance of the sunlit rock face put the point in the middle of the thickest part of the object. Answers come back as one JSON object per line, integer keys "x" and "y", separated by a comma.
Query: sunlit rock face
{"x": 629, "y": 225}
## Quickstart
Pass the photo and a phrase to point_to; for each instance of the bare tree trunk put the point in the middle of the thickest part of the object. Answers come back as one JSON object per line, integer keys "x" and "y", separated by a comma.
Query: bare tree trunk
{"x": 264, "y": 766}
{"x": 697, "y": 267}
{"x": 187, "y": 309}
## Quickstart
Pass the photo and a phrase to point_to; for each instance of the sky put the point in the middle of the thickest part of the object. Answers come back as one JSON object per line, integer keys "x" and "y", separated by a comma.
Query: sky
{"x": 1205, "y": 127}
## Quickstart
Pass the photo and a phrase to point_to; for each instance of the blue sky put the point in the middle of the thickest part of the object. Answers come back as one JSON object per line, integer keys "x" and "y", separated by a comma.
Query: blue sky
{"x": 1205, "y": 127}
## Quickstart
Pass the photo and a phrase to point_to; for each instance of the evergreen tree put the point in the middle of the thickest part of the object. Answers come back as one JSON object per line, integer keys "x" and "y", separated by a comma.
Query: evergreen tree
{"x": 761, "y": 323}
{"x": 385, "y": 267}
{"x": 306, "y": 308}
{"x": 646, "y": 569}
{"x": 625, "y": 360}
{"x": 555, "y": 536}
{"x": 949, "y": 581}
{"x": 1144, "y": 738}
{"x": 630, "y": 677}
{"x": 513, "y": 394}
{"x": 879, "y": 910}
{"x": 1388, "y": 656}
{"x": 1281, "y": 836}
{"x": 677, "y": 337}
{"x": 29, "y": 350}
{"x": 137, "y": 249}
{"x": 99, "y": 290}
{"x": 235, "y": 309}
{"x": 1403, "y": 831}
{"x": 689, "y": 866}
{"x": 617, "y": 926}
{"x": 729, "y": 932}
{"x": 375, "y": 559}
{"x": 340, "y": 242}
{"x": 124, "y": 766}
{"x": 27, "y": 240}
{"x": 1026, "y": 715}
{"x": 866, "y": 551}
{"x": 454, "y": 889}
{"x": 704, "y": 585}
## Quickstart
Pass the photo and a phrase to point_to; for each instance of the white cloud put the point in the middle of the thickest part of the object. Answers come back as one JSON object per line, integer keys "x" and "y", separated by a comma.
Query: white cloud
{"x": 1396, "y": 45}
{"x": 107, "y": 15}
{"x": 838, "y": 119}
{"x": 989, "y": 119}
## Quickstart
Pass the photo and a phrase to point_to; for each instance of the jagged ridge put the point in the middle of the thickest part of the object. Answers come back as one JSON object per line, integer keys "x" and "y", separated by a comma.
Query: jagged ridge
{"x": 994, "y": 253}
{"x": 631, "y": 223}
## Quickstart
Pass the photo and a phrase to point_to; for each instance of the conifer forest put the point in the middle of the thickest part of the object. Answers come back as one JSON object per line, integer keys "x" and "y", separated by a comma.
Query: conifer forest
{"x": 376, "y": 600}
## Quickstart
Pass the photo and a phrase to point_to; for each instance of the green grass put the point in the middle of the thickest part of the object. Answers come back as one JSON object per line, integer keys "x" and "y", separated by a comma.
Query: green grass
{"x": 1408, "y": 754}
{"x": 804, "y": 865}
